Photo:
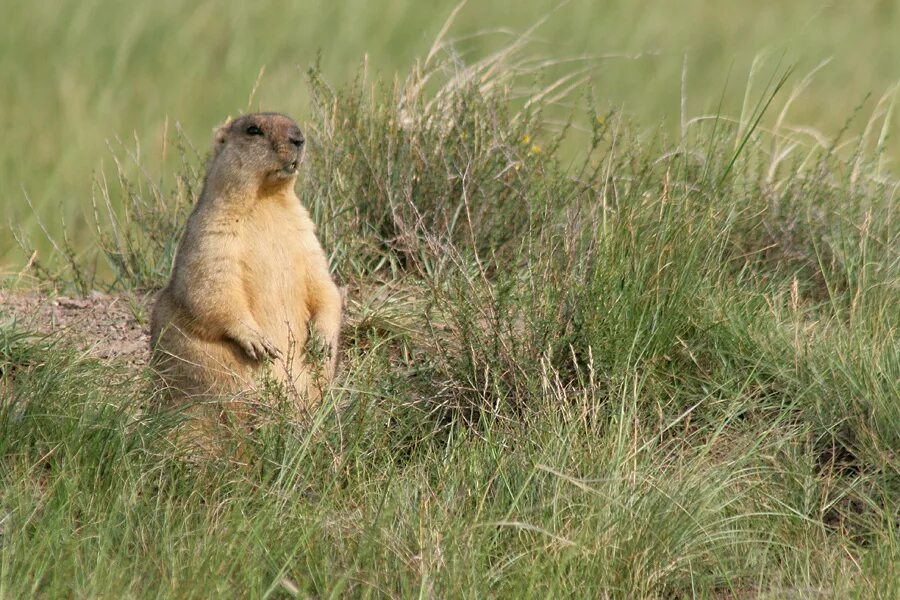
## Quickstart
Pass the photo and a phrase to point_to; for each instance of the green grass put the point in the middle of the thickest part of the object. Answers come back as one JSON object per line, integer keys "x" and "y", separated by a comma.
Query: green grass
{"x": 607, "y": 363}
{"x": 78, "y": 75}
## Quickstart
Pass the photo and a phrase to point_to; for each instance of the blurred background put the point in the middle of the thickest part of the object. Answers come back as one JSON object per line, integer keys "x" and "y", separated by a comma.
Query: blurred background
{"x": 75, "y": 76}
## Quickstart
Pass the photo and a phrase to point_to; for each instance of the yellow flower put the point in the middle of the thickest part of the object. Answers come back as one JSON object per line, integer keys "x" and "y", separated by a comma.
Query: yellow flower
{"x": 601, "y": 120}
{"x": 526, "y": 138}
{"x": 535, "y": 149}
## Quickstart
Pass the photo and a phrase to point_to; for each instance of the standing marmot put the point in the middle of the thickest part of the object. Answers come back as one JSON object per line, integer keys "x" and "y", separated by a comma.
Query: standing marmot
{"x": 250, "y": 275}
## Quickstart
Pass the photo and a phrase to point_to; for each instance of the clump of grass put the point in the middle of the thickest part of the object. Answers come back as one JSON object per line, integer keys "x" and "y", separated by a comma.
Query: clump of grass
{"x": 665, "y": 369}
{"x": 139, "y": 241}
{"x": 137, "y": 224}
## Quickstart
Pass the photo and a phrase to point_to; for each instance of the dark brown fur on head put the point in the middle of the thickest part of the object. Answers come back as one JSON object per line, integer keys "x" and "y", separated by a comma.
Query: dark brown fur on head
{"x": 261, "y": 150}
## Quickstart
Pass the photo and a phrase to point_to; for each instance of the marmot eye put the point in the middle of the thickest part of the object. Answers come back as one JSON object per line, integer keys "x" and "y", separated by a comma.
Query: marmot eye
{"x": 254, "y": 130}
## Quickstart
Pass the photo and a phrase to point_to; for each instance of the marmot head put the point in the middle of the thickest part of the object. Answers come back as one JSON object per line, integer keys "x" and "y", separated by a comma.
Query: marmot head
{"x": 262, "y": 149}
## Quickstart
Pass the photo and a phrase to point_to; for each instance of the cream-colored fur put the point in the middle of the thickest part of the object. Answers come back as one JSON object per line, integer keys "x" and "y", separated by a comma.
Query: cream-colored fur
{"x": 250, "y": 277}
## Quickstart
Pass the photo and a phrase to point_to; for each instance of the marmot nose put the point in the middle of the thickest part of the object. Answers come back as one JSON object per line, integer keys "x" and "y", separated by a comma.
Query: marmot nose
{"x": 297, "y": 141}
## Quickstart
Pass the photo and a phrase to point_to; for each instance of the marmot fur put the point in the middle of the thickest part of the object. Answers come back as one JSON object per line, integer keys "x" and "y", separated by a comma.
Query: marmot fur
{"x": 250, "y": 276}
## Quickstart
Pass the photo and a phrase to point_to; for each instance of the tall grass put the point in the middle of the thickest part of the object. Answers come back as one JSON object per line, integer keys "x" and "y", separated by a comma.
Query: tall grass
{"x": 665, "y": 368}
{"x": 76, "y": 75}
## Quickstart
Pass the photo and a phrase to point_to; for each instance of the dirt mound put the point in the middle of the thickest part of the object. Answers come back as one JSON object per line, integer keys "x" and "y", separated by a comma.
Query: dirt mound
{"x": 109, "y": 327}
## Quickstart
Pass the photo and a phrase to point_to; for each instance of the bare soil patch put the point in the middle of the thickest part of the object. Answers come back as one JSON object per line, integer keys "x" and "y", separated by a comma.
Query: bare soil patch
{"x": 106, "y": 326}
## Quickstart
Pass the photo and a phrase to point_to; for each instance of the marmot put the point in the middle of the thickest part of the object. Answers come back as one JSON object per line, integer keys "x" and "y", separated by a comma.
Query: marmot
{"x": 250, "y": 276}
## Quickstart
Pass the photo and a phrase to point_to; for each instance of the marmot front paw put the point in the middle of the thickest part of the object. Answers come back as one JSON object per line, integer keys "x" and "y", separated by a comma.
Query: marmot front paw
{"x": 256, "y": 345}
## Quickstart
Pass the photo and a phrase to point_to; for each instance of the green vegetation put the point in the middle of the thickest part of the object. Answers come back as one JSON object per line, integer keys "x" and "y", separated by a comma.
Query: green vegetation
{"x": 599, "y": 363}
{"x": 78, "y": 74}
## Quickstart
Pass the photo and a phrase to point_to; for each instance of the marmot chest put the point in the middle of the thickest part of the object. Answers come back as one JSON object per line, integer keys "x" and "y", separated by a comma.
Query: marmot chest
{"x": 278, "y": 249}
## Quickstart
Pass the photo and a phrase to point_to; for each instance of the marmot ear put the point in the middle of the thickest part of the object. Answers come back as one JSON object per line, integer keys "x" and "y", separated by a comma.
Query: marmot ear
{"x": 221, "y": 131}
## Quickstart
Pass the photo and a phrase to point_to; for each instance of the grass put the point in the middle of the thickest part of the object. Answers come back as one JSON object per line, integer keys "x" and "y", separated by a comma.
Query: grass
{"x": 647, "y": 367}
{"x": 79, "y": 75}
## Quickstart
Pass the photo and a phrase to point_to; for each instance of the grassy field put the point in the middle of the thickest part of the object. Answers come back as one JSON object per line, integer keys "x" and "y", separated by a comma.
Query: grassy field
{"x": 610, "y": 360}
{"x": 76, "y": 77}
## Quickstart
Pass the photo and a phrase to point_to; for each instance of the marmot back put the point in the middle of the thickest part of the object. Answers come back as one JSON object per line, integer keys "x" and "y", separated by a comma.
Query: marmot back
{"x": 250, "y": 276}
